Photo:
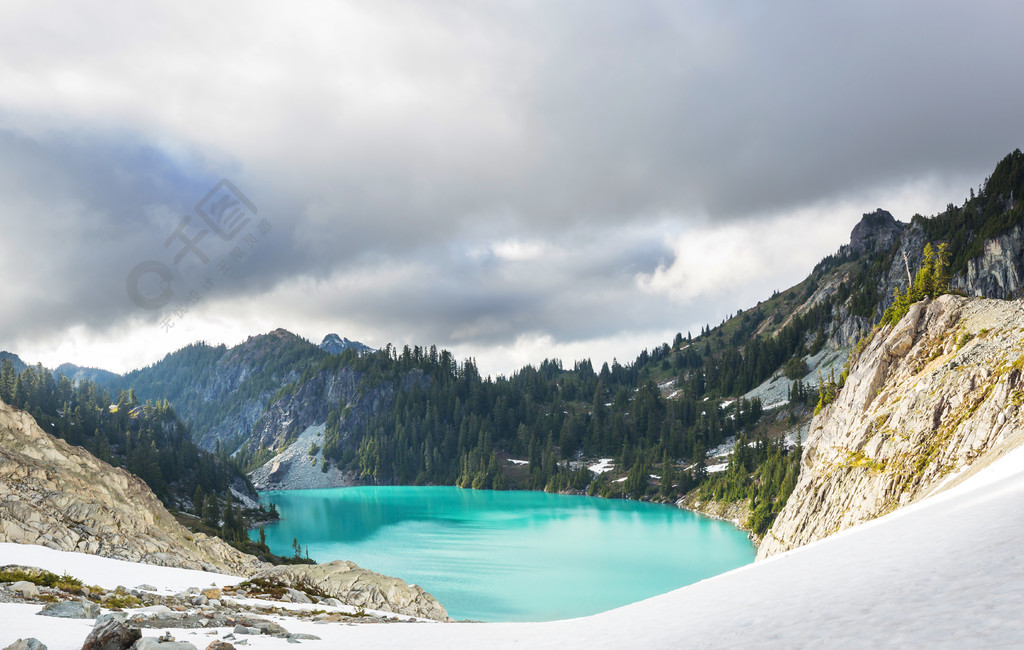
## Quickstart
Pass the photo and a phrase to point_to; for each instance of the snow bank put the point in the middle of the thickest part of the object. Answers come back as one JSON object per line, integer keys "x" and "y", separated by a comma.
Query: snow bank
{"x": 109, "y": 573}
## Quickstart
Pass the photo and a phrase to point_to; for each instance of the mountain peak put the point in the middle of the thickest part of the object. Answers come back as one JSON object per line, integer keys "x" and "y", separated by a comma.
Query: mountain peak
{"x": 335, "y": 344}
{"x": 16, "y": 361}
{"x": 878, "y": 229}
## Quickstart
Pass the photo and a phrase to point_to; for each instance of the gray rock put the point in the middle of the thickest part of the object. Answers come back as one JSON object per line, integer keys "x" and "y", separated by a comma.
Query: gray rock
{"x": 111, "y": 632}
{"x": 200, "y": 600}
{"x": 153, "y": 643}
{"x": 242, "y": 629}
{"x": 213, "y": 602}
{"x": 304, "y": 637}
{"x": 71, "y": 609}
{"x": 26, "y": 644}
{"x": 297, "y": 596}
{"x": 146, "y": 588}
{"x": 156, "y": 609}
{"x": 25, "y": 588}
{"x": 332, "y": 602}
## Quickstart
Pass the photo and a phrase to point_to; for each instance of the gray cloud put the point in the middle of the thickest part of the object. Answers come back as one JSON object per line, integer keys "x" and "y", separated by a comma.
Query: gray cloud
{"x": 467, "y": 173}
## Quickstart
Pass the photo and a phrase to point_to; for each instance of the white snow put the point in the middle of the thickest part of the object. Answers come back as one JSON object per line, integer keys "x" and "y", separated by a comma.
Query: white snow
{"x": 601, "y": 466}
{"x": 720, "y": 467}
{"x": 518, "y": 462}
{"x": 108, "y": 573}
{"x": 620, "y": 480}
{"x": 945, "y": 572}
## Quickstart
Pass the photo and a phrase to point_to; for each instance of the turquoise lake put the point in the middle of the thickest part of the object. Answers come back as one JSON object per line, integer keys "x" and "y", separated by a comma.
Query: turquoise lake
{"x": 509, "y": 556}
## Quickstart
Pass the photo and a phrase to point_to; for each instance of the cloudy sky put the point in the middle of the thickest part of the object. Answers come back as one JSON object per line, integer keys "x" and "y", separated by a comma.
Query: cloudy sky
{"x": 512, "y": 181}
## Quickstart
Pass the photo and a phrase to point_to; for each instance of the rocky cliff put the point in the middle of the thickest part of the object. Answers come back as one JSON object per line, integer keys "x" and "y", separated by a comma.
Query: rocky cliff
{"x": 294, "y": 426}
{"x": 62, "y": 497}
{"x": 927, "y": 403}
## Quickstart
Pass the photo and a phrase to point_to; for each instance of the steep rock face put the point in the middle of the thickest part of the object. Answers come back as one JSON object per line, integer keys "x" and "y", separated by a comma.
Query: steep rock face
{"x": 999, "y": 271}
{"x": 927, "y": 403}
{"x": 287, "y": 419}
{"x": 62, "y": 497}
{"x": 359, "y": 587}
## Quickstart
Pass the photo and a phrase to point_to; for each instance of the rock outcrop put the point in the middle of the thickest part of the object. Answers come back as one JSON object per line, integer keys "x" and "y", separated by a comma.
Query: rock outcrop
{"x": 876, "y": 230}
{"x": 358, "y": 587}
{"x": 60, "y": 496}
{"x": 927, "y": 403}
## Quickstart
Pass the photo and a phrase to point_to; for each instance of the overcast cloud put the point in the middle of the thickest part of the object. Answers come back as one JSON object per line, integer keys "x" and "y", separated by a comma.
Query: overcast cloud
{"x": 510, "y": 180}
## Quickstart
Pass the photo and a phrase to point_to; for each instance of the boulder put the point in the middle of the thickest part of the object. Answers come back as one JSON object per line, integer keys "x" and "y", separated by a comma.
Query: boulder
{"x": 26, "y": 644}
{"x": 297, "y": 596}
{"x": 111, "y": 632}
{"x": 71, "y": 609}
{"x": 25, "y": 588}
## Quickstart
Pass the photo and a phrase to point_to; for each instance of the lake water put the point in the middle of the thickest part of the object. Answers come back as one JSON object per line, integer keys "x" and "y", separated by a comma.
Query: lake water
{"x": 509, "y": 556}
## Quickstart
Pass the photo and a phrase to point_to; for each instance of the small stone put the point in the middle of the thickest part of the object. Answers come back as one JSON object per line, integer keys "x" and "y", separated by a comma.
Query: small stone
{"x": 200, "y": 600}
{"x": 26, "y": 644}
{"x": 153, "y": 643}
{"x": 146, "y": 588}
{"x": 332, "y": 602}
{"x": 211, "y": 593}
{"x": 156, "y": 609}
{"x": 242, "y": 629}
{"x": 304, "y": 637}
{"x": 220, "y": 645}
{"x": 214, "y": 602}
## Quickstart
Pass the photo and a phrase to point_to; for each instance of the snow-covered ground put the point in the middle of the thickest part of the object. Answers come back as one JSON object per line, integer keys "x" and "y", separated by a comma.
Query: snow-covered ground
{"x": 602, "y": 465}
{"x": 945, "y": 572}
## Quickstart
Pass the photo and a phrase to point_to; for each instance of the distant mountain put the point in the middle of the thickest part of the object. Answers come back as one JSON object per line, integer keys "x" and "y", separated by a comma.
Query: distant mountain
{"x": 75, "y": 373}
{"x": 16, "y": 361}
{"x": 334, "y": 344}
{"x": 221, "y": 392}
